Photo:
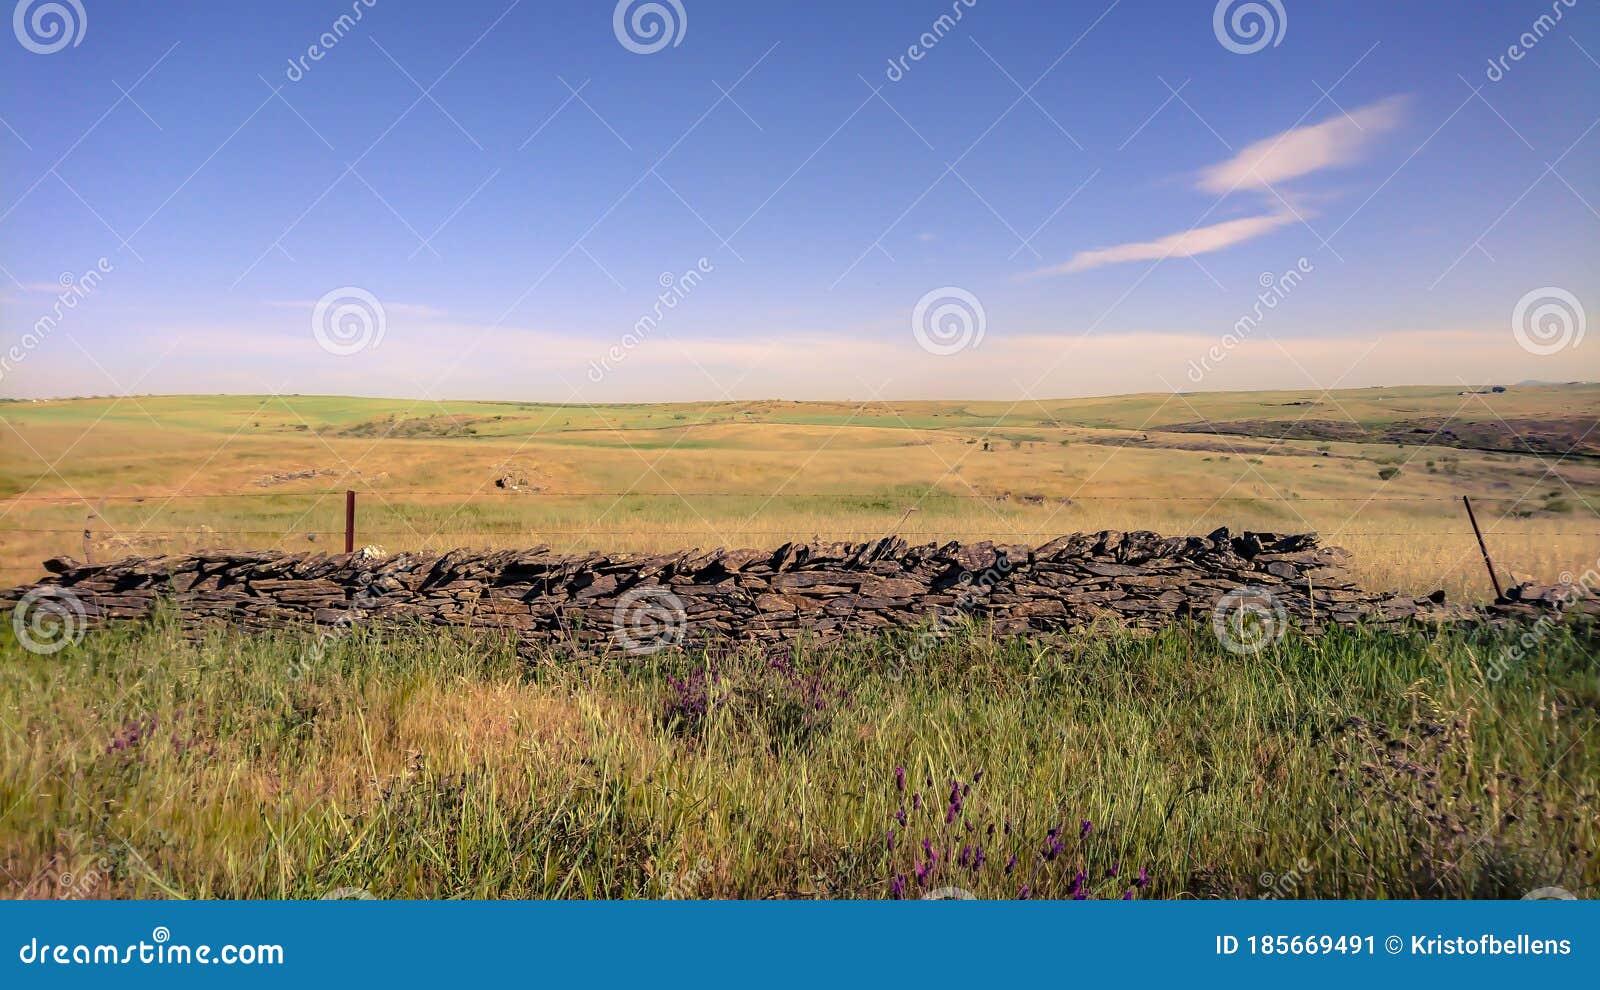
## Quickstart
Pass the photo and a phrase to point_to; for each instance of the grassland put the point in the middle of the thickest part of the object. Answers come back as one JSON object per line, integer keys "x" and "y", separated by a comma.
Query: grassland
{"x": 136, "y": 763}
{"x": 423, "y": 764}
{"x": 92, "y": 477}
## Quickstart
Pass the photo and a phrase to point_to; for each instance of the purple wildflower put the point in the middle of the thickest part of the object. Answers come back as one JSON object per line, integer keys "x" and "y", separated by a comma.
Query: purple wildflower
{"x": 1011, "y": 864}
{"x": 132, "y": 733}
{"x": 897, "y": 887}
{"x": 1144, "y": 878}
{"x": 900, "y": 779}
{"x": 1115, "y": 867}
{"x": 1084, "y": 828}
{"x": 916, "y": 801}
{"x": 1025, "y": 893}
{"x": 891, "y": 840}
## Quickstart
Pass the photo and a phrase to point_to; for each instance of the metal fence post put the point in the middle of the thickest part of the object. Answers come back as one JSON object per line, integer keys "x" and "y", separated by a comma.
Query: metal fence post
{"x": 1483, "y": 549}
{"x": 349, "y": 521}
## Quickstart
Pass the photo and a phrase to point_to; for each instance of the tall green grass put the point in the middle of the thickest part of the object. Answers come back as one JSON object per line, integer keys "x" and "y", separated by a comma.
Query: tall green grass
{"x": 427, "y": 764}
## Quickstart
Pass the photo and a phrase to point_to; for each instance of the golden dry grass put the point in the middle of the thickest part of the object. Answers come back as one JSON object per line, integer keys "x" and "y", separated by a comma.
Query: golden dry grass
{"x": 760, "y": 473}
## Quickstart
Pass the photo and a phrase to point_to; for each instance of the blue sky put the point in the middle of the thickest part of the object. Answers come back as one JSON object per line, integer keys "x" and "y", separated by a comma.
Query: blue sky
{"x": 1110, "y": 181}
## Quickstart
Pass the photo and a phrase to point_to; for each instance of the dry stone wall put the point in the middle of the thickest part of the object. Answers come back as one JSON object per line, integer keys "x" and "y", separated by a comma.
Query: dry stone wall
{"x": 825, "y": 590}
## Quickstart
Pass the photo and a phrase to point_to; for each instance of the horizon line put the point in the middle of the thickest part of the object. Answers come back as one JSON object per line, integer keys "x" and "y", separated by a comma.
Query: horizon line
{"x": 733, "y": 402}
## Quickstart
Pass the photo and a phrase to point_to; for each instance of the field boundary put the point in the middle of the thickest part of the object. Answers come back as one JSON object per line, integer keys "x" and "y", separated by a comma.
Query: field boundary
{"x": 1252, "y": 586}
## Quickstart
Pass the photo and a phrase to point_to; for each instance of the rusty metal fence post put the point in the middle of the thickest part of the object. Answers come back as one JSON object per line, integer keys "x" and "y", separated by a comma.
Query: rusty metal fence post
{"x": 349, "y": 521}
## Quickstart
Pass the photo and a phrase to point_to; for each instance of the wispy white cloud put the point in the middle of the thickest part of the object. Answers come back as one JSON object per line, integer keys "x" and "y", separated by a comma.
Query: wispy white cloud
{"x": 1291, "y": 154}
{"x": 1184, "y": 244}
{"x": 1339, "y": 140}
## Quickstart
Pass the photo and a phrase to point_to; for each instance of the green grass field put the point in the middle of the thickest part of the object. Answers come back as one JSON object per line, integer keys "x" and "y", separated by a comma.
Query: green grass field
{"x": 652, "y": 477}
{"x": 426, "y": 765}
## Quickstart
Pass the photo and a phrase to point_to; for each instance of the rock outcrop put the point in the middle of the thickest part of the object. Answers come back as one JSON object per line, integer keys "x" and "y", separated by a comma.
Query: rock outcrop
{"x": 825, "y": 590}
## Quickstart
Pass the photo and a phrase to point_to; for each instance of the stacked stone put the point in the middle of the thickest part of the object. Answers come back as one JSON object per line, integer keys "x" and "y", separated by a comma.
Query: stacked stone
{"x": 1530, "y": 602}
{"x": 827, "y": 590}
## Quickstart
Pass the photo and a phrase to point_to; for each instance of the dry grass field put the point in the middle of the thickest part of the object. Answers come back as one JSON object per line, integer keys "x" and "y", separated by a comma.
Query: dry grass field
{"x": 1378, "y": 470}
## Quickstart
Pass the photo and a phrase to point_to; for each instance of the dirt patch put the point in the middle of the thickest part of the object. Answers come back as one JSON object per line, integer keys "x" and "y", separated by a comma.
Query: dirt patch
{"x": 411, "y": 428}
{"x": 1559, "y": 435}
{"x": 514, "y": 477}
{"x": 1159, "y": 441}
{"x": 296, "y": 474}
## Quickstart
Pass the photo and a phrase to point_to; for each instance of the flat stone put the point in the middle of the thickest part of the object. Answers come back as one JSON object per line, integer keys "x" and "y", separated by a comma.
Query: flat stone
{"x": 826, "y": 590}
